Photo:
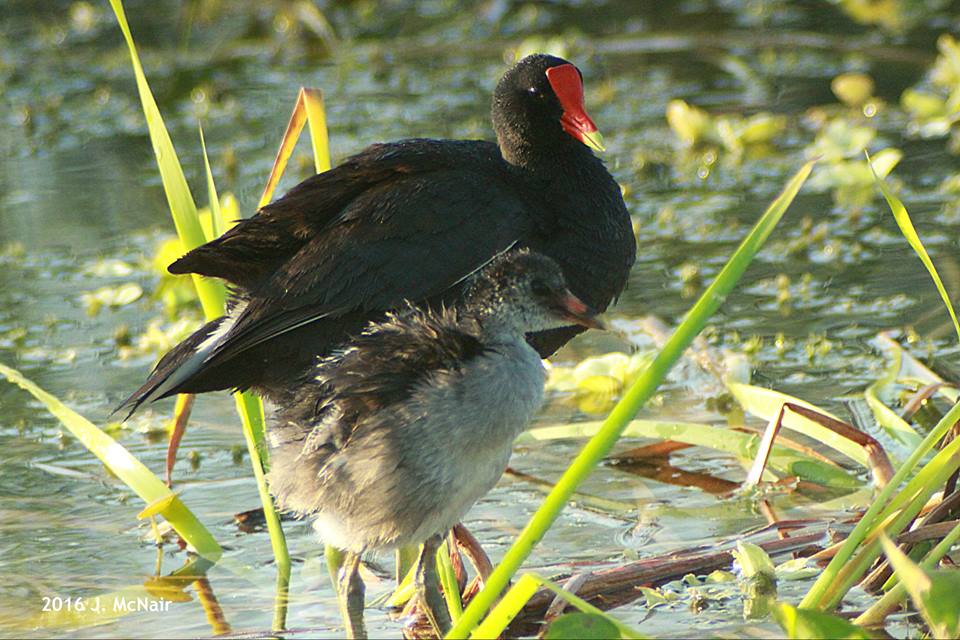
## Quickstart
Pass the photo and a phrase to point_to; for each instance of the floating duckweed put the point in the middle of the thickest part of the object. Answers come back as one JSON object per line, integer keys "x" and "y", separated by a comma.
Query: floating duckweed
{"x": 159, "y": 338}
{"x": 13, "y": 337}
{"x": 806, "y": 282}
{"x": 933, "y": 105}
{"x": 689, "y": 273}
{"x": 657, "y": 597}
{"x": 718, "y": 577}
{"x": 783, "y": 289}
{"x": 689, "y": 123}
{"x": 122, "y": 336}
{"x": 118, "y": 296}
{"x": 595, "y": 383}
{"x": 12, "y": 250}
{"x": 817, "y": 346}
{"x": 109, "y": 268}
{"x": 839, "y": 139}
{"x": 694, "y": 127}
{"x": 842, "y": 170}
{"x": 852, "y": 89}
{"x": 752, "y": 345}
{"x": 911, "y": 335}
{"x": 666, "y": 215}
{"x": 83, "y": 17}
{"x": 691, "y": 277}
{"x": 782, "y": 344}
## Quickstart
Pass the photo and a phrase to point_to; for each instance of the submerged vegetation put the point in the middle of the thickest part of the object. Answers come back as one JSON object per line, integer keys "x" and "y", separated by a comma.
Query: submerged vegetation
{"x": 809, "y": 427}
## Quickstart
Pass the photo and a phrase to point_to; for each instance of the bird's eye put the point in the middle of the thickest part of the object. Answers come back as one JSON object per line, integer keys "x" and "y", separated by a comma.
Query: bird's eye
{"x": 540, "y": 288}
{"x": 533, "y": 91}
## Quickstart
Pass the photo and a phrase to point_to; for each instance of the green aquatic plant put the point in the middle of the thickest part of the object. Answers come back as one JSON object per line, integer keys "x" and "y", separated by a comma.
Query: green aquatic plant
{"x": 528, "y": 584}
{"x": 893, "y": 15}
{"x": 897, "y": 593}
{"x": 111, "y": 296}
{"x": 934, "y": 592}
{"x": 909, "y": 232}
{"x": 193, "y": 230}
{"x": 595, "y": 383}
{"x": 694, "y": 126}
{"x": 176, "y": 293}
{"x": 783, "y": 461}
{"x": 839, "y": 144}
{"x": 151, "y": 489}
{"x": 804, "y": 624}
{"x": 894, "y": 508}
{"x": 902, "y": 493}
{"x": 890, "y": 512}
{"x": 758, "y": 579}
{"x": 934, "y": 104}
{"x": 902, "y": 498}
{"x": 856, "y": 91}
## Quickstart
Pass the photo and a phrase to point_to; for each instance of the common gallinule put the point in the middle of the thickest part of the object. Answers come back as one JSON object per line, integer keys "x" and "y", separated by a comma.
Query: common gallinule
{"x": 408, "y": 220}
{"x": 388, "y": 442}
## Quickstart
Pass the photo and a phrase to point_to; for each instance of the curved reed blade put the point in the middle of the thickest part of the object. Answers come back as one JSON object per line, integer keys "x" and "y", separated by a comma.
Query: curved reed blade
{"x": 909, "y": 232}
{"x": 308, "y": 109}
{"x": 126, "y": 467}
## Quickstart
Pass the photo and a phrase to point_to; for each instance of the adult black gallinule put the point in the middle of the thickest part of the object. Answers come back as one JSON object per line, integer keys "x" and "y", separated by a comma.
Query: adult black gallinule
{"x": 390, "y": 441}
{"x": 408, "y": 220}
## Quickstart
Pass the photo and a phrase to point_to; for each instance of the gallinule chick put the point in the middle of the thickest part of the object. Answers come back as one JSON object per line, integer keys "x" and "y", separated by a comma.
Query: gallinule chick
{"x": 391, "y": 440}
{"x": 408, "y": 221}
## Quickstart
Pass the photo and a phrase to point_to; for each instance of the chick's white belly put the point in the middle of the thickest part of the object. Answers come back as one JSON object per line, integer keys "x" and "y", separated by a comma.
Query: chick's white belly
{"x": 416, "y": 469}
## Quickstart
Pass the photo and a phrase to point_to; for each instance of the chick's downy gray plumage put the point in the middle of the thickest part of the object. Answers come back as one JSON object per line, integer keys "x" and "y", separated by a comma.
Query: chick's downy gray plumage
{"x": 395, "y": 437}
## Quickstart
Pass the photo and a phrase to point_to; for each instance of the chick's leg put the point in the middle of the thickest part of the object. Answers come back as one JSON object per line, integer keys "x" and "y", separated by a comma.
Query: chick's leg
{"x": 350, "y": 595}
{"x": 428, "y": 587}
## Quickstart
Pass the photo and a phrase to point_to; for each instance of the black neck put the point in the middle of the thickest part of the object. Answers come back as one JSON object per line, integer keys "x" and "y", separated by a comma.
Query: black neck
{"x": 561, "y": 154}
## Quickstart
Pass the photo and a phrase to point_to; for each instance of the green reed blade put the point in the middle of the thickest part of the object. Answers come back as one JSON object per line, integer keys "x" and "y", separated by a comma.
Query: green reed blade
{"x": 448, "y": 581}
{"x": 886, "y": 417}
{"x": 913, "y": 239}
{"x": 783, "y": 460}
{"x": 766, "y": 403}
{"x": 891, "y": 600}
{"x": 250, "y": 409}
{"x": 824, "y": 593}
{"x": 628, "y": 406}
{"x": 894, "y": 518}
{"x": 934, "y": 593}
{"x": 126, "y": 467}
{"x": 212, "y": 293}
{"x": 217, "y": 224}
{"x": 519, "y": 594}
{"x": 181, "y": 202}
{"x": 802, "y": 624}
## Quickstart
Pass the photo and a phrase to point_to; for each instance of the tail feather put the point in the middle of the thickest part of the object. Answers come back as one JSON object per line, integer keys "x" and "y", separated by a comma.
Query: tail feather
{"x": 175, "y": 369}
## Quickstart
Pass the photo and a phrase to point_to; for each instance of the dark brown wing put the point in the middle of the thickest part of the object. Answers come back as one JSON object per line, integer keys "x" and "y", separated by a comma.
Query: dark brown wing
{"x": 399, "y": 222}
{"x": 409, "y": 240}
{"x": 251, "y": 253}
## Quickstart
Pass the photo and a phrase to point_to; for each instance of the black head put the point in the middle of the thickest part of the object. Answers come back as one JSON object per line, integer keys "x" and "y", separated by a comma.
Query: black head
{"x": 538, "y": 105}
{"x": 527, "y": 292}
